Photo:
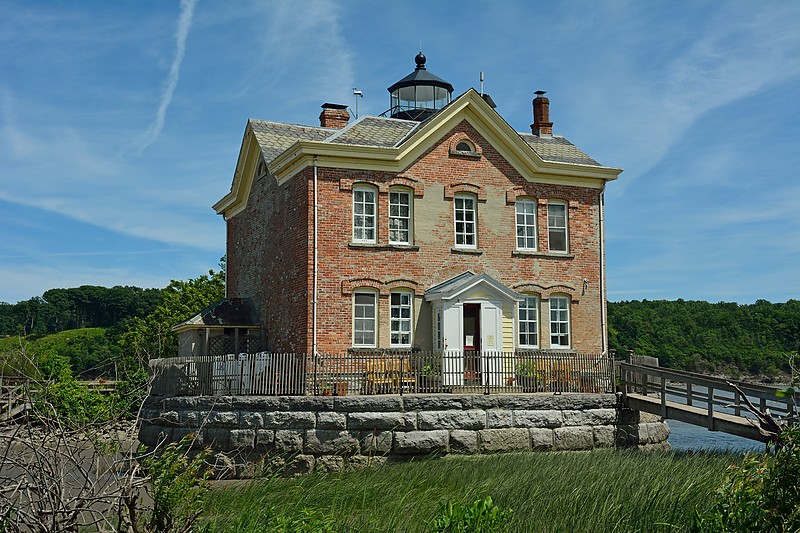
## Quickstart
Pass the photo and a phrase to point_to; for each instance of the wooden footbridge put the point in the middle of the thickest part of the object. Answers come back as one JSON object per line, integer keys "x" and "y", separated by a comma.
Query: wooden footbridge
{"x": 713, "y": 403}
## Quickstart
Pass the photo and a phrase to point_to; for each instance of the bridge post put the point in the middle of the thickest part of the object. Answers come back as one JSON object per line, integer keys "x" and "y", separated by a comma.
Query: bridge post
{"x": 689, "y": 394}
{"x": 663, "y": 397}
{"x": 711, "y": 408}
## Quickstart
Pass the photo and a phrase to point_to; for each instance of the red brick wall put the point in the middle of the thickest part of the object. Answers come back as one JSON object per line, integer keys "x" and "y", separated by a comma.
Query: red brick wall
{"x": 270, "y": 250}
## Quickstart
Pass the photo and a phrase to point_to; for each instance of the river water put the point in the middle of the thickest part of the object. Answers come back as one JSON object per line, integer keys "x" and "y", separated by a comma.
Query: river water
{"x": 685, "y": 436}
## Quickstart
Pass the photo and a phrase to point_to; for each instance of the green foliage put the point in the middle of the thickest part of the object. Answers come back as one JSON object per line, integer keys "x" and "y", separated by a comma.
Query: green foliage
{"x": 598, "y": 491}
{"x": 761, "y": 494}
{"x": 483, "y": 516}
{"x": 151, "y": 337}
{"x": 76, "y": 308}
{"x": 704, "y": 337}
{"x": 179, "y": 487}
{"x": 53, "y": 366}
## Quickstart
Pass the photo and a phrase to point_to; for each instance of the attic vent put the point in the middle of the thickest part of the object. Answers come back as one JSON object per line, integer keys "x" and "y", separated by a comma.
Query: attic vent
{"x": 464, "y": 146}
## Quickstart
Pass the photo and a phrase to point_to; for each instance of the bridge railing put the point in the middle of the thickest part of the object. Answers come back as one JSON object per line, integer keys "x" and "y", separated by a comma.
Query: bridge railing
{"x": 697, "y": 390}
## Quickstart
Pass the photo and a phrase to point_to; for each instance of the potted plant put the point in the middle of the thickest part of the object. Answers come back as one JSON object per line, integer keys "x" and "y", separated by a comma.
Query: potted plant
{"x": 430, "y": 378}
{"x": 528, "y": 377}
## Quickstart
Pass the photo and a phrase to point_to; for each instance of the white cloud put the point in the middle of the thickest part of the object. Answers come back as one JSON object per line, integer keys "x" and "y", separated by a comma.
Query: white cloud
{"x": 182, "y": 32}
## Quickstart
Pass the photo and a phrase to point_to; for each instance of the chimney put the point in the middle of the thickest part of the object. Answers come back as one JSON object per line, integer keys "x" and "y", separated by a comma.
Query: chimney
{"x": 541, "y": 116}
{"x": 334, "y": 116}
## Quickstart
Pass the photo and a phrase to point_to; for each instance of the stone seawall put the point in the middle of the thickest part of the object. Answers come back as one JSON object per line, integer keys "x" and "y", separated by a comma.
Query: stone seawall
{"x": 299, "y": 433}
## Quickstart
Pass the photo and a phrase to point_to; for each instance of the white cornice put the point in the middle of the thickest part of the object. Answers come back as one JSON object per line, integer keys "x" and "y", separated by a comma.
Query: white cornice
{"x": 469, "y": 106}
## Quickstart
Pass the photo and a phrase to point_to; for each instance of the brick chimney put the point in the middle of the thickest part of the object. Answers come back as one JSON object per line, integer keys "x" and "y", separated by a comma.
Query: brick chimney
{"x": 334, "y": 116}
{"x": 541, "y": 116}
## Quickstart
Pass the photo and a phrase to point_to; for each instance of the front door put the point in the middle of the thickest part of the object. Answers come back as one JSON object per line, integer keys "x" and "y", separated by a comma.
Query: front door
{"x": 472, "y": 344}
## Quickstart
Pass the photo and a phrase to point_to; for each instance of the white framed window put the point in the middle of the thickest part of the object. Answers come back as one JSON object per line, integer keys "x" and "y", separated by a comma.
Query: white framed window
{"x": 557, "y": 226}
{"x": 465, "y": 219}
{"x": 529, "y": 322}
{"x": 364, "y": 213}
{"x": 365, "y": 314}
{"x": 399, "y": 217}
{"x": 559, "y": 322}
{"x": 526, "y": 224}
{"x": 400, "y": 303}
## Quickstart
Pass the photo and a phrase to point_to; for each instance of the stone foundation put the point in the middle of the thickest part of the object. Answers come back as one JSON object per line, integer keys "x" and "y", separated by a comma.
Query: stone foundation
{"x": 297, "y": 434}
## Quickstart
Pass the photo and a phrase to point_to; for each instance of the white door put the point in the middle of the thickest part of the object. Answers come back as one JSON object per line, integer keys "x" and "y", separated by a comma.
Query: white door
{"x": 491, "y": 342}
{"x": 452, "y": 360}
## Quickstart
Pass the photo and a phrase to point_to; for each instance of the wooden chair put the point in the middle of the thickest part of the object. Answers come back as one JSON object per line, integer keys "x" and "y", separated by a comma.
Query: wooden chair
{"x": 388, "y": 375}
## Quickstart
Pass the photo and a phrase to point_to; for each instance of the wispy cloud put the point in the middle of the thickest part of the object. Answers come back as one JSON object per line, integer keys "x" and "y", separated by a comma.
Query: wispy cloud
{"x": 150, "y": 136}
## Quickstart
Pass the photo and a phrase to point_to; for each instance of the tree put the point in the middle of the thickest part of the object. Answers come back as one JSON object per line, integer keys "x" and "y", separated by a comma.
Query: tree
{"x": 151, "y": 337}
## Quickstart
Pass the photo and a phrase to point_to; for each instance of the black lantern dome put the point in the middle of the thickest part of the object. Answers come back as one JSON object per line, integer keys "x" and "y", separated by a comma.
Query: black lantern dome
{"x": 420, "y": 94}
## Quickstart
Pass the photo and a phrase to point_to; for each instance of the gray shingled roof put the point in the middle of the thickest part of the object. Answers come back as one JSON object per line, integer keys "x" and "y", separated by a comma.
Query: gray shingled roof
{"x": 374, "y": 131}
{"x": 558, "y": 149}
{"x": 275, "y": 137}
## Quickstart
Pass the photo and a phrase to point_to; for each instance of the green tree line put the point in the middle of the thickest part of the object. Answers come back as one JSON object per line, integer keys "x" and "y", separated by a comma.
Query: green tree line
{"x": 708, "y": 337}
{"x": 87, "y": 306}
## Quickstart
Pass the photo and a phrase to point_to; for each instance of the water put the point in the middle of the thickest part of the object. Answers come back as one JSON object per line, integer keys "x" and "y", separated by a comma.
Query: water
{"x": 685, "y": 436}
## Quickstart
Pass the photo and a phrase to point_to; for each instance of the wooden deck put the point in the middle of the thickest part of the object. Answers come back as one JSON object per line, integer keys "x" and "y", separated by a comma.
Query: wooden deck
{"x": 702, "y": 400}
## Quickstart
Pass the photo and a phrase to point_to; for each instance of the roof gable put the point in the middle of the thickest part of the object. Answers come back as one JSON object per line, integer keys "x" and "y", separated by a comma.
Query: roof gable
{"x": 467, "y": 282}
{"x": 392, "y": 145}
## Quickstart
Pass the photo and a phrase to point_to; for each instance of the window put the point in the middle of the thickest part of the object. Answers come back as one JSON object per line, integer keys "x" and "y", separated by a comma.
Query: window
{"x": 364, "y": 207}
{"x": 559, "y": 322}
{"x": 465, "y": 221}
{"x": 399, "y": 217}
{"x": 526, "y": 224}
{"x": 464, "y": 146}
{"x": 364, "y": 319}
{"x": 557, "y": 226}
{"x": 400, "y": 318}
{"x": 529, "y": 322}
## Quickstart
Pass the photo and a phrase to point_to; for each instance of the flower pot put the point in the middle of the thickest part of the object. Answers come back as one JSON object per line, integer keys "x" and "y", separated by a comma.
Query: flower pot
{"x": 340, "y": 388}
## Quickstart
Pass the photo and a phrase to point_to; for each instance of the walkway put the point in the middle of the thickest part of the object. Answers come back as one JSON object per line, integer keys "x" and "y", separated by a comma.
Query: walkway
{"x": 701, "y": 400}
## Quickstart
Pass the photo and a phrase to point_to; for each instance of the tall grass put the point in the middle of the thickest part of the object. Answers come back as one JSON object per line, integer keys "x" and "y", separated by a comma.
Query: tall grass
{"x": 603, "y": 490}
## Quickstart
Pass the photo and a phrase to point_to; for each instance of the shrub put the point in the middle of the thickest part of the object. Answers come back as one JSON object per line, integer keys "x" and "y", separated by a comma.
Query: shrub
{"x": 762, "y": 494}
{"x": 179, "y": 486}
{"x": 483, "y": 516}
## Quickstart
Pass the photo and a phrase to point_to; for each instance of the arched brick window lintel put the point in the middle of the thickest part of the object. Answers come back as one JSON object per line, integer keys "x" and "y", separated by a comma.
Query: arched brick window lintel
{"x": 404, "y": 284}
{"x": 512, "y": 195}
{"x": 406, "y": 181}
{"x": 349, "y": 285}
{"x": 463, "y": 187}
{"x": 347, "y": 184}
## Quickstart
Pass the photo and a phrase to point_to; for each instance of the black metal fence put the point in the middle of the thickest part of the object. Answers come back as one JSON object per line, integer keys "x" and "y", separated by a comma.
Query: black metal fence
{"x": 465, "y": 372}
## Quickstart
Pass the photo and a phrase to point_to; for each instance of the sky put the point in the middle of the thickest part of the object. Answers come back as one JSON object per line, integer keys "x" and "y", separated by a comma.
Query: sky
{"x": 121, "y": 123}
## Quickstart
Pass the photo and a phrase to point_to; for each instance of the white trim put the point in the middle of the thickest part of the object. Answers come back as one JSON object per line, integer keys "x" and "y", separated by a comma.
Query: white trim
{"x": 551, "y": 227}
{"x": 364, "y": 224}
{"x": 536, "y": 321}
{"x": 472, "y": 211}
{"x": 409, "y": 218}
{"x": 525, "y": 202}
{"x": 562, "y": 318}
{"x": 365, "y": 319}
{"x": 400, "y": 320}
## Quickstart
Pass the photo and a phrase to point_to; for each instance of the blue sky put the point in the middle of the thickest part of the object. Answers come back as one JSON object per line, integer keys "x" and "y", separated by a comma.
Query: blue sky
{"x": 120, "y": 124}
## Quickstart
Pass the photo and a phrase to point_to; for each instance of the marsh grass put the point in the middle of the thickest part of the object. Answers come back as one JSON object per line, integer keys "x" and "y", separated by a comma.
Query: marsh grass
{"x": 603, "y": 490}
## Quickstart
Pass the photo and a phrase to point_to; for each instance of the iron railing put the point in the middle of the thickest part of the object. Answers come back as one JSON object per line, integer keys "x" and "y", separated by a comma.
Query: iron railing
{"x": 463, "y": 372}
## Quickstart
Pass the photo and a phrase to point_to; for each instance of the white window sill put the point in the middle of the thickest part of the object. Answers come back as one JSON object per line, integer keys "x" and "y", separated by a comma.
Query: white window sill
{"x": 375, "y": 246}
{"x": 469, "y": 251}
{"x": 533, "y": 253}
